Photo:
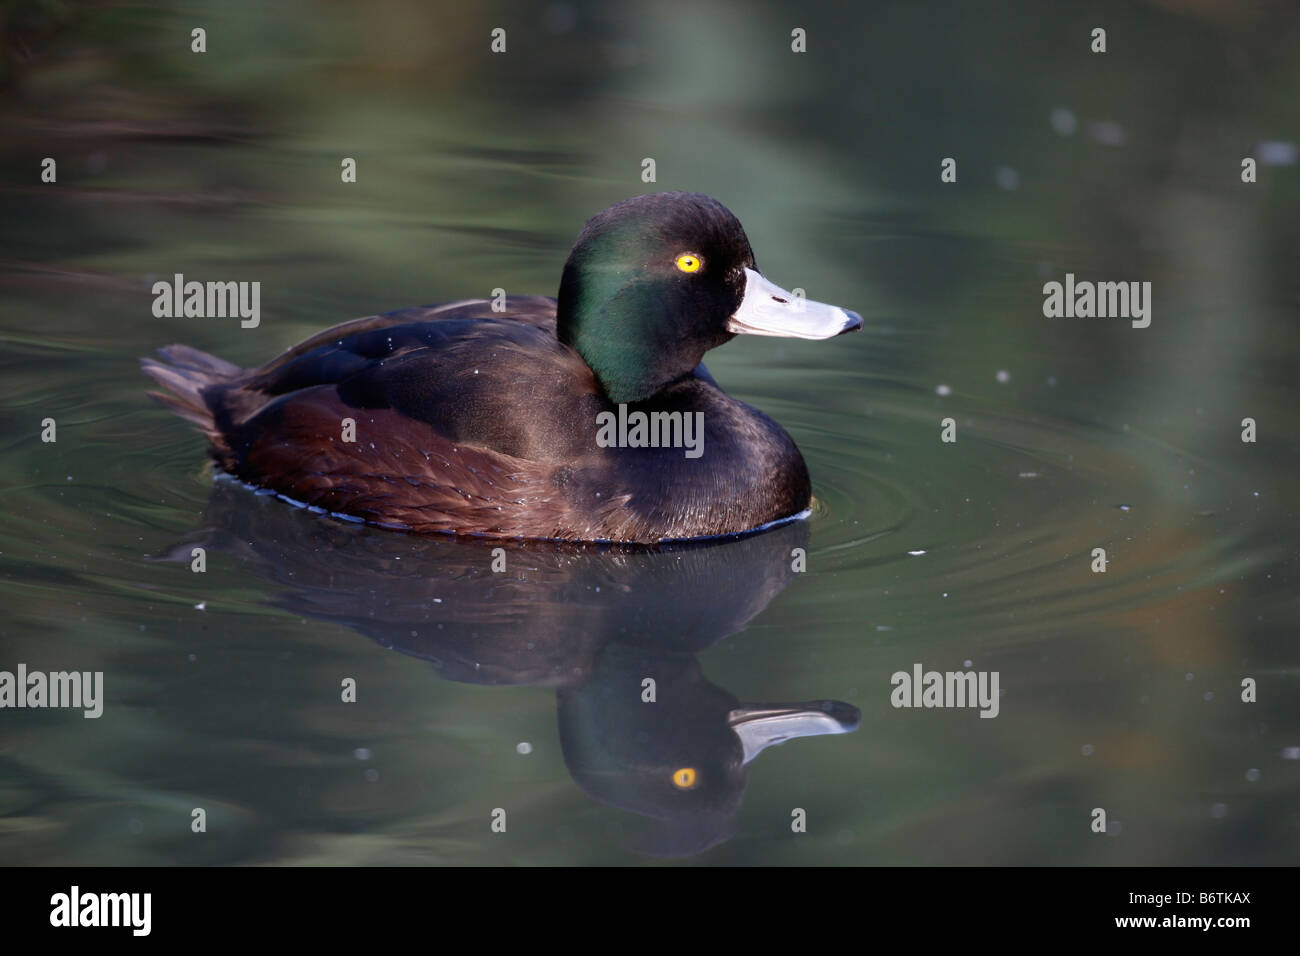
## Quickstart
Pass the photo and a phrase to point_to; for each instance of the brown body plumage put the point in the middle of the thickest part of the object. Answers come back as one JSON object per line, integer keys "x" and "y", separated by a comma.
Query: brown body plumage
{"x": 474, "y": 422}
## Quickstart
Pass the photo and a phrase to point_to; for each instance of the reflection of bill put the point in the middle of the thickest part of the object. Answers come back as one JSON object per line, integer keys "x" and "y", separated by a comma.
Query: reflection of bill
{"x": 594, "y": 622}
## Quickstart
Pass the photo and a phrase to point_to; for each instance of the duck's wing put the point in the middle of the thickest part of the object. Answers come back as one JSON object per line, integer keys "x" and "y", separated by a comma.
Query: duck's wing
{"x": 498, "y": 380}
{"x": 452, "y": 419}
{"x": 358, "y": 336}
{"x": 383, "y": 467}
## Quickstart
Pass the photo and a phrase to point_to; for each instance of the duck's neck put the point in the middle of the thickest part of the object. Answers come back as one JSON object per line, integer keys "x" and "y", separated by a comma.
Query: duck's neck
{"x": 634, "y": 338}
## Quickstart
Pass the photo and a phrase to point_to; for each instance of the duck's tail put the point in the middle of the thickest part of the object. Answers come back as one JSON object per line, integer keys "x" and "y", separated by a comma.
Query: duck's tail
{"x": 186, "y": 373}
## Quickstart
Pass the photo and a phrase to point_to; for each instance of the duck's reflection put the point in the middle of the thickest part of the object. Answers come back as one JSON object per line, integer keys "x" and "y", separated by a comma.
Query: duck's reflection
{"x": 614, "y": 631}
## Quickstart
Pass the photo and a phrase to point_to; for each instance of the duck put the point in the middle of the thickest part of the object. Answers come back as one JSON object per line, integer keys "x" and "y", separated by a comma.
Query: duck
{"x": 525, "y": 417}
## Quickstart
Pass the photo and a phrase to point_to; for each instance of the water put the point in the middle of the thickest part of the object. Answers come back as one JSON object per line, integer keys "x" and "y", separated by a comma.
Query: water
{"x": 520, "y": 691}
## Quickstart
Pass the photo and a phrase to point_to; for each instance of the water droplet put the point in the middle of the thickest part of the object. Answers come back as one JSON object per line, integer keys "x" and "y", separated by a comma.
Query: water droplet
{"x": 1277, "y": 153}
{"x": 1063, "y": 121}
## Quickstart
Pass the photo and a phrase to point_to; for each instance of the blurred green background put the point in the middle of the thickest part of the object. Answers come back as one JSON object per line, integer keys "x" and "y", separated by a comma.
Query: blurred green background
{"x": 475, "y": 171}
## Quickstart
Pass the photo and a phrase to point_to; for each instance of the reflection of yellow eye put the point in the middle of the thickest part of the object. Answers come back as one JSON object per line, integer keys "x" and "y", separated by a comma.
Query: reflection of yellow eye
{"x": 684, "y": 779}
{"x": 689, "y": 262}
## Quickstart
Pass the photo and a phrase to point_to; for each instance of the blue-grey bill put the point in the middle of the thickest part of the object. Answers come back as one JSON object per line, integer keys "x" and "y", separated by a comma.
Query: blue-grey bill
{"x": 767, "y": 309}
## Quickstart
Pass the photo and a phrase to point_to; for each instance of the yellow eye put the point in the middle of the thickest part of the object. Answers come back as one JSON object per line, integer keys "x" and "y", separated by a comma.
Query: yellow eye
{"x": 684, "y": 779}
{"x": 689, "y": 262}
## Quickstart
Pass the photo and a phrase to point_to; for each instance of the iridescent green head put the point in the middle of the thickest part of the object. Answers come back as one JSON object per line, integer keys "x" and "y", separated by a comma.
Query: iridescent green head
{"x": 655, "y": 281}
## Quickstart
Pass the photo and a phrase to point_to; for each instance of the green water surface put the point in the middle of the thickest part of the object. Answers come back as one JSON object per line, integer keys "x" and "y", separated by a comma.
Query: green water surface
{"x": 1120, "y": 690}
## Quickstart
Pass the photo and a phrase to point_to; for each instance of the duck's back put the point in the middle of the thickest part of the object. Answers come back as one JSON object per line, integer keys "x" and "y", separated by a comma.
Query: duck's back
{"x": 459, "y": 418}
{"x": 500, "y": 380}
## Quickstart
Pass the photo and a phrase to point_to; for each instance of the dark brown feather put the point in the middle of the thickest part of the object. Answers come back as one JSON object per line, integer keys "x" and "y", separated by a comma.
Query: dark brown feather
{"x": 476, "y": 422}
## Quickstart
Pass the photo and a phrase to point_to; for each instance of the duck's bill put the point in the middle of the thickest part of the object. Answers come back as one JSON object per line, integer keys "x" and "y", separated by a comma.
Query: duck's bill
{"x": 767, "y": 309}
{"x": 761, "y": 726}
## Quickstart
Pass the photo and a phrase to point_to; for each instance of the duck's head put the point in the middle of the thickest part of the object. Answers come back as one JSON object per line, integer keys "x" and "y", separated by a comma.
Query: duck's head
{"x": 655, "y": 281}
